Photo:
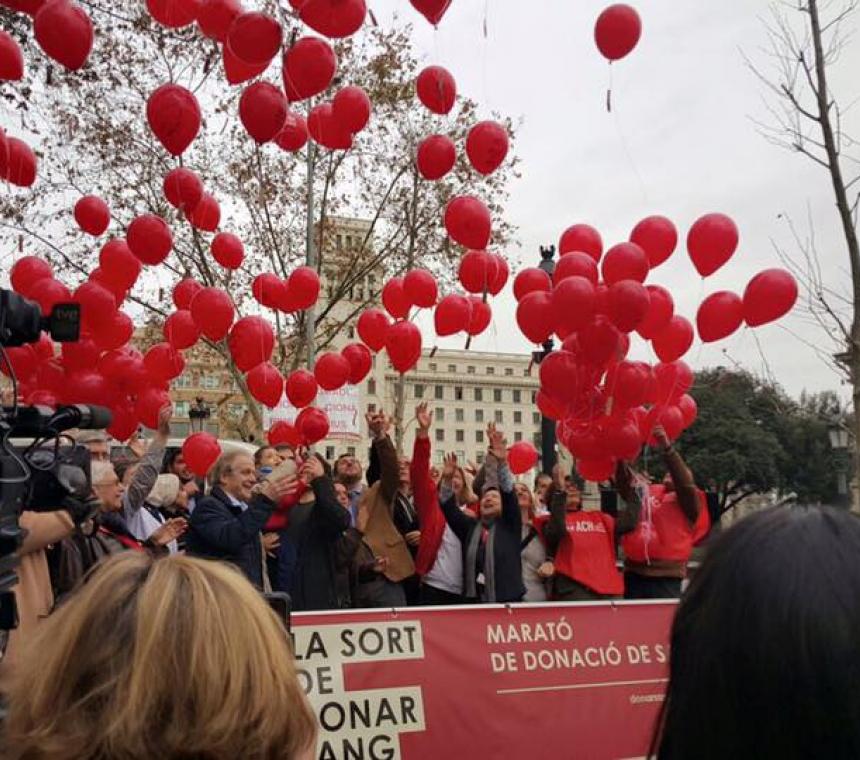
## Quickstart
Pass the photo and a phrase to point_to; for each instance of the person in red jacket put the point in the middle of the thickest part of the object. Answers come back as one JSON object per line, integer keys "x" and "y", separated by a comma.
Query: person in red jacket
{"x": 582, "y": 544}
{"x": 439, "y": 563}
{"x": 673, "y": 517}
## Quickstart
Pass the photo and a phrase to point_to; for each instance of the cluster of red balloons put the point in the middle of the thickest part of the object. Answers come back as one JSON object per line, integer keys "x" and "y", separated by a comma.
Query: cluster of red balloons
{"x": 300, "y": 291}
{"x": 310, "y": 426}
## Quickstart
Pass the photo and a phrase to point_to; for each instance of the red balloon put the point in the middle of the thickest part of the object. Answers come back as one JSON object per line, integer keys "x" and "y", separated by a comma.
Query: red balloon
{"x": 304, "y": 288}
{"x": 183, "y": 189}
{"x": 64, "y": 31}
{"x": 403, "y": 343}
{"x": 149, "y": 404}
{"x": 97, "y": 304}
{"x": 18, "y": 163}
{"x": 689, "y": 410}
{"x": 436, "y": 89}
{"x": 116, "y": 290}
{"x": 200, "y": 452}
{"x": 719, "y": 316}
{"x": 660, "y": 312}
{"x": 227, "y": 250}
{"x": 26, "y": 272}
{"x": 92, "y": 215}
{"x": 251, "y": 342}
{"x": 309, "y": 68}
{"x": 548, "y": 407}
{"x": 672, "y": 380}
{"x": 30, "y": 7}
{"x": 184, "y": 292}
{"x": 149, "y": 239}
{"x": 420, "y": 289}
{"x": 352, "y": 108}
{"x": 596, "y": 470}
{"x": 487, "y": 146}
{"x": 453, "y": 315}
{"x": 674, "y": 340}
{"x": 535, "y": 316}
{"x": 11, "y": 59}
{"x": 212, "y": 311}
{"x": 581, "y": 238}
{"x": 436, "y": 157}
{"x": 530, "y": 281}
{"x": 711, "y": 242}
{"x": 326, "y": 130}
{"x": 236, "y": 70}
{"x": 266, "y": 384}
{"x": 657, "y": 236}
{"x": 628, "y": 384}
{"x": 294, "y": 135}
{"x": 334, "y": 18}
{"x": 481, "y": 316}
{"x": 263, "y": 110}
{"x": 628, "y": 302}
{"x": 313, "y": 425}
{"x": 180, "y": 331}
{"x": 394, "y": 298}
{"x": 174, "y": 14}
{"x": 254, "y": 38}
{"x": 49, "y": 294}
{"x": 269, "y": 290}
{"x": 332, "y": 371}
{"x": 770, "y": 295}
{"x": 216, "y": 16}
{"x": 206, "y": 214}
{"x": 360, "y": 361}
{"x": 174, "y": 116}
{"x": 670, "y": 418}
{"x": 600, "y": 342}
{"x": 51, "y": 376}
{"x": 124, "y": 423}
{"x": 468, "y": 222}
{"x": 301, "y": 388}
{"x": 284, "y": 433}
{"x": 503, "y": 271}
{"x": 522, "y": 457}
{"x": 24, "y": 362}
{"x": 576, "y": 265}
{"x": 626, "y": 261}
{"x": 163, "y": 362}
{"x": 477, "y": 270}
{"x": 120, "y": 266}
{"x": 624, "y": 438}
{"x": 86, "y": 387}
{"x": 113, "y": 332}
{"x": 432, "y": 10}
{"x": 572, "y": 305}
{"x": 617, "y": 31}
{"x": 372, "y": 327}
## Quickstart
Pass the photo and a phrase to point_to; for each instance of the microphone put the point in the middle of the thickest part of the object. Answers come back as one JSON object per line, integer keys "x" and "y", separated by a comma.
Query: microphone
{"x": 80, "y": 416}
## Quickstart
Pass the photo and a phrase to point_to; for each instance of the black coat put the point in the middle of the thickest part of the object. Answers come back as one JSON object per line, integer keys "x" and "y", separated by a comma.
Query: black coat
{"x": 219, "y": 530}
{"x": 315, "y": 530}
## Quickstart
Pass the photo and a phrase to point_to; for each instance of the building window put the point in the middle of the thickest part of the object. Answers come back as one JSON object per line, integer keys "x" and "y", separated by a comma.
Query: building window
{"x": 518, "y": 436}
{"x": 509, "y": 372}
{"x": 418, "y": 389}
{"x": 210, "y": 381}
{"x": 329, "y": 453}
{"x": 339, "y": 240}
{"x": 458, "y": 393}
{"x": 470, "y": 370}
{"x": 371, "y": 408}
{"x": 534, "y": 397}
{"x": 500, "y": 417}
{"x": 439, "y": 392}
{"x": 183, "y": 381}
{"x": 461, "y": 455}
{"x": 440, "y": 456}
{"x": 479, "y": 458}
{"x": 479, "y": 436}
{"x": 459, "y": 415}
{"x": 527, "y": 372}
{"x": 518, "y": 397}
{"x": 180, "y": 409}
{"x": 479, "y": 415}
{"x": 351, "y": 333}
{"x": 350, "y": 450}
{"x": 479, "y": 394}
{"x": 440, "y": 414}
{"x": 432, "y": 366}
{"x": 452, "y": 368}
{"x": 349, "y": 242}
{"x": 518, "y": 418}
{"x": 460, "y": 436}
{"x": 371, "y": 387}
{"x": 536, "y": 418}
{"x": 440, "y": 435}
{"x": 236, "y": 410}
{"x": 497, "y": 395}
{"x": 491, "y": 370}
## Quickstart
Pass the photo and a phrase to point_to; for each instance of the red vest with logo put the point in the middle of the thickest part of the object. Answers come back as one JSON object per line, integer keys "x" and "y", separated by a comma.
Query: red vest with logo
{"x": 664, "y": 532}
{"x": 587, "y": 553}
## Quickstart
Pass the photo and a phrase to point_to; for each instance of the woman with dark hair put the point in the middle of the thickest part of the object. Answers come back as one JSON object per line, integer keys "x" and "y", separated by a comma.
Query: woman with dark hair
{"x": 765, "y": 659}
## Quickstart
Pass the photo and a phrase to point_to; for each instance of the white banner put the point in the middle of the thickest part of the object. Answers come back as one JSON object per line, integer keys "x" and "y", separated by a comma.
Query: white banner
{"x": 343, "y": 408}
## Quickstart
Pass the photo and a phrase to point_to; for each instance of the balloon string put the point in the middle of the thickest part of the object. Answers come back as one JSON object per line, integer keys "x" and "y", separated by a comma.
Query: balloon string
{"x": 609, "y": 91}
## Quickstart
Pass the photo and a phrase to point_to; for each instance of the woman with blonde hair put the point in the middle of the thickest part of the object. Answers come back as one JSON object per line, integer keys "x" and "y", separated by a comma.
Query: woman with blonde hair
{"x": 170, "y": 658}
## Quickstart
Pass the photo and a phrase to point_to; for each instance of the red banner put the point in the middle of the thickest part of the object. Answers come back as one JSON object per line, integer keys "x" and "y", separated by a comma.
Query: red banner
{"x": 539, "y": 681}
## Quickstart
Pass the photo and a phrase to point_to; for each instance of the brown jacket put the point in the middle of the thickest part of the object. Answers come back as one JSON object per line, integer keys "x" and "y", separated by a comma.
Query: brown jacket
{"x": 381, "y": 534}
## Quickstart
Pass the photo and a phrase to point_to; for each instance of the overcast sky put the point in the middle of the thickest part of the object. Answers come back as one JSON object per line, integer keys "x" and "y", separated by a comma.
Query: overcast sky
{"x": 680, "y": 142}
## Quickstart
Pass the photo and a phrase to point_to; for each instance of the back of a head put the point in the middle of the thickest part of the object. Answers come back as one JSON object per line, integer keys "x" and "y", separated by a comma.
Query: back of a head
{"x": 765, "y": 655}
{"x": 169, "y": 658}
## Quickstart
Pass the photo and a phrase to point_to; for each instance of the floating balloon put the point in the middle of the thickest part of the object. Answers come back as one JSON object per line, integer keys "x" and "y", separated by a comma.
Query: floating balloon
{"x": 206, "y": 215}
{"x": 420, "y": 289}
{"x": 149, "y": 404}
{"x": 436, "y": 89}
{"x": 576, "y": 265}
{"x": 522, "y": 457}
{"x": 183, "y": 189}
{"x": 670, "y": 418}
{"x": 674, "y": 340}
{"x": 174, "y": 14}
{"x": 689, "y": 410}
{"x": 468, "y": 222}
{"x": 184, "y": 292}
{"x": 26, "y": 272}
{"x": 18, "y": 163}
{"x": 628, "y": 302}
{"x": 487, "y": 146}
{"x": 313, "y": 425}
{"x": 477, "y": 270}
{"x": 719, "y": 316}
{"x": 113, "y": 332}
{"x": 452, "y": 315}
{"x": 180, "y": 330}
{"x": 535, "y": 317}
{"x": 503, "y": 271}
{"x": 432, "y": 10}
{"x": 227, "y": 250}
{"x": 216, "y": 16}
{"x": 617, "y": 31}
{"x": 174, "y": 116}
{"x": 628, "y": 384}
{"x": 200, "y": 452}
{"x": 660, "y": 311}
{"x": 120, "y": 266}
{"x": 332, "y": 371}
{"x": 581, "y": 238}
{"x": 238, "y": 71}
{"x": 309, "y": 68}
{"x": 149, "y": 239}
{"x": 770, "y": 295}
{"x": 334, "y": 18}
{"x": 304, "y": 287}
{"x": 251, "y": 342}
{"x": 481, "y": 316}
{"x": 164, "y": 362}
{"x": 301, "y": 388}
{"x": 403, "y": 343}
{"x": 531, "y": 281}
{"x": 294, "y": 135}
{"x": 436, "y": 157}
{"x": 263, "y": 110}
{"x": 64, "y": 31}
{"x": 325, "y": 129}
{"x": 23, "y": 362}
{"x": 269, "y": 290}
{"x": 97, "y": 303}
{"x": 124, "y": 423}
{"x": 284, "y": 433}
{"x": 254, "y": 38}
{"x": 49, "y": 294}
{"x": 673, "y": 380}
{"x": 572, "y": 305}
{"x": 372, "y": 328}
{"x": 11, "y": 59}
{"x": 212, "y": 311}
{"x": 92, "y": 215}
{"x": 624, "y": 438}
{"x": 266, "y": 384}
{"x": 360, "y": 361}
{"x": 352, "y": 108}
{"x": 711, "y": 242}
{"x": 657, "y": 236}
{"x": 626, "y": 261}
{"x": 599, "y": 342}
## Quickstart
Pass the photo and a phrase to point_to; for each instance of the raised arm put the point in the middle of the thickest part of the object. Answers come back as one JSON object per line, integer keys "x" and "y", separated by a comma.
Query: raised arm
{"x": 389, "y": 479}
{"x": 498, "y": 455}
{"x": 685, "y": 486}
{"x": 423, "y": 488}
{"x": 556, "y": 529}
{"x": 459, "y": 522}
{"x": 627, "y": 518}
{"x": 149, "y": 467}
{"x": 373, "y": 467}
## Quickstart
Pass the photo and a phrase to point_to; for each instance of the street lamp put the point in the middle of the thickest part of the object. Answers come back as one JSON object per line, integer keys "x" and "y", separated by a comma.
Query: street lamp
{"x": 547, "y": 426}
{"x": 840, "y": 441}
{"x": 198, "y": 414}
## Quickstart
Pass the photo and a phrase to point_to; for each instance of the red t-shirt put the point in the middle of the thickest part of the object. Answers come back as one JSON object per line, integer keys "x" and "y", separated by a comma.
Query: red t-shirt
{"x": 587, "y": 553}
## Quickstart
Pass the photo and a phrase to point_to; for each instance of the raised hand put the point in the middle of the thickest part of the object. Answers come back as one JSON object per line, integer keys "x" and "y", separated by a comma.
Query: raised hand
{"x": 280, "y": 488}
{"x": 165, "y": 414}
{"x": 449, "y": 466}
{"x": 662, "y": 438}
{"x": 423, "y": 418}
{"x": 170, "y": 531}
{"x": 312, "y": 469}
{"x": 498, "y": 444}
{"x": 558, "y": 477}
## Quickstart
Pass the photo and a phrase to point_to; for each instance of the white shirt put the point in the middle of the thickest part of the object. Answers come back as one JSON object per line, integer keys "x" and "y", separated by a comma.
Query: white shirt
{"x": 447, "y": 571}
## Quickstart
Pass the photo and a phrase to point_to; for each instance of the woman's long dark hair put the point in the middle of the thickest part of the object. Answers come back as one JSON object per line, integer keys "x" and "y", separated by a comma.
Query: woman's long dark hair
{"x": 765, "y": 656}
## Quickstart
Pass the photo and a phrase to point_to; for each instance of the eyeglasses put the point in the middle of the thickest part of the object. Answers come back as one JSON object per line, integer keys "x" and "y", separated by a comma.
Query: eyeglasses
{"x": 107, "y": 483}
